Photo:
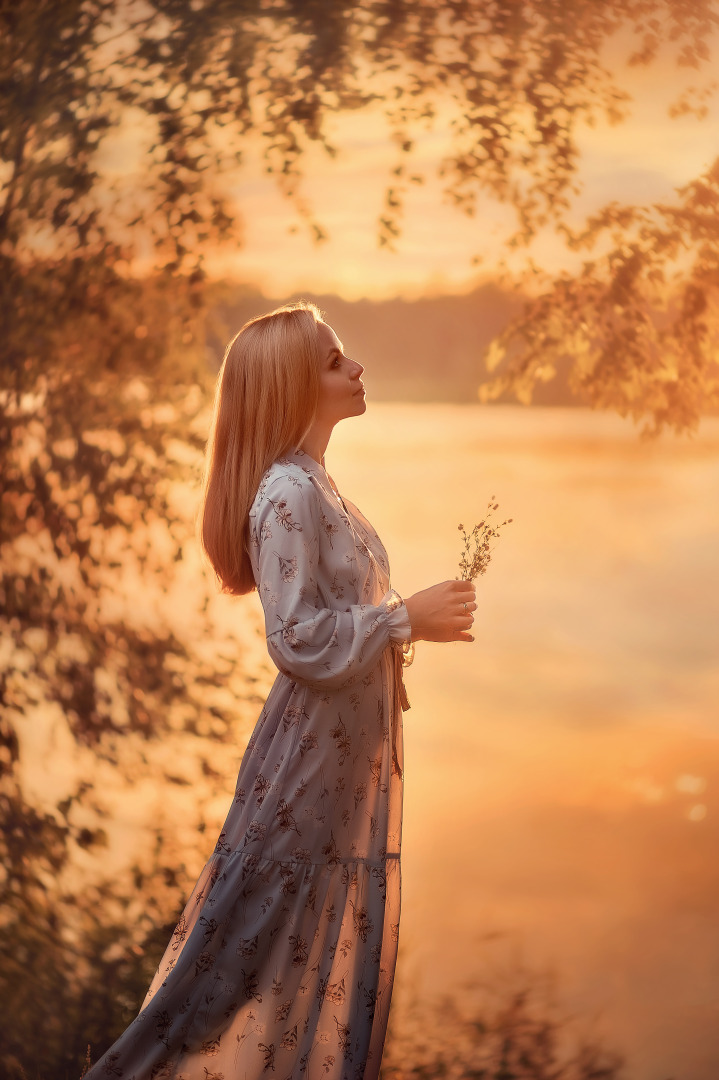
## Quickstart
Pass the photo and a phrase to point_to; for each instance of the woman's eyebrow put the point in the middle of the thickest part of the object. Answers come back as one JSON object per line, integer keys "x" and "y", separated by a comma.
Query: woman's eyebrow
{"x": 334, "y": 349}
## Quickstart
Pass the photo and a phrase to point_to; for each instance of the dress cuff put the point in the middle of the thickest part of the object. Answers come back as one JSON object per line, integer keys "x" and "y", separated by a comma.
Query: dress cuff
{"x": 398, "y": 623}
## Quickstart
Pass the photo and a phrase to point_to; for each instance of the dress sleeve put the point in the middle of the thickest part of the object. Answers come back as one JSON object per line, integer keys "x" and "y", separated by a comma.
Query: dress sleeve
{"x": 323, "y": 646}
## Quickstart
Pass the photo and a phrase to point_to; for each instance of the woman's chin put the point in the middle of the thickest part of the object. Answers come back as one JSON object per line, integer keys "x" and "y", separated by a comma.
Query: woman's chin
{"x": 355, "y": 407}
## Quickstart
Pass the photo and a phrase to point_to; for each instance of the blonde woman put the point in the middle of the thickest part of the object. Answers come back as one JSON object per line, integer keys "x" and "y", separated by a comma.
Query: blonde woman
{"x": 283, "y": 959}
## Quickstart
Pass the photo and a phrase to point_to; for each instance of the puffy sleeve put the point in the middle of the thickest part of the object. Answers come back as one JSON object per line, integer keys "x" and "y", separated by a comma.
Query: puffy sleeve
{"x": 308, "y": 641}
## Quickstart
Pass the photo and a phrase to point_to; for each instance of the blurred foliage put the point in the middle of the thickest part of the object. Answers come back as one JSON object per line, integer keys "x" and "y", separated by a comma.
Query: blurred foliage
{"x": 80, "y": 960}
{"x": 103, "y": 372}
{"x": 512, "y": 1029}
{"x": 638, "y": 327}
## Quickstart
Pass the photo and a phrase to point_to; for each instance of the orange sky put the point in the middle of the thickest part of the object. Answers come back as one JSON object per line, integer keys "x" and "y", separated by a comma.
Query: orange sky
{"x": 643, "y": 160}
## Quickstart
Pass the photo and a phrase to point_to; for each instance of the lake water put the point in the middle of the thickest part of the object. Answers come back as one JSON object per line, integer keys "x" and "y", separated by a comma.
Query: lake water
{"x": 561, "y": 771}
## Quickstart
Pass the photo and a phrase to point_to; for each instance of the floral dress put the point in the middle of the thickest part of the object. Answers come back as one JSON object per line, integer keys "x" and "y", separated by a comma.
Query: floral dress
{"x": 282, "y": 962}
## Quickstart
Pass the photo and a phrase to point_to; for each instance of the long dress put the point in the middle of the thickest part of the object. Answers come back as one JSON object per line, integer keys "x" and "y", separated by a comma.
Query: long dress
{"x": 283, "y": 959}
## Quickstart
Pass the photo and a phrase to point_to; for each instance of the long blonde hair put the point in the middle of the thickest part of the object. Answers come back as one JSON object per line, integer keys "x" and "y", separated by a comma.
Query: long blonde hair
{"x": 265, "y": 401}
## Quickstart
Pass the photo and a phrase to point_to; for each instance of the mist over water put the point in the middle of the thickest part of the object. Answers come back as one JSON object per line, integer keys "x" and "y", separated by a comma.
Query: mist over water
{"x": 561, "y": 771}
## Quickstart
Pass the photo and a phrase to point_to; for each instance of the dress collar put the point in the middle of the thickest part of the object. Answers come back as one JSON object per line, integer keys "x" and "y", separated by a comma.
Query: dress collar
{"x": 302, "y": 458}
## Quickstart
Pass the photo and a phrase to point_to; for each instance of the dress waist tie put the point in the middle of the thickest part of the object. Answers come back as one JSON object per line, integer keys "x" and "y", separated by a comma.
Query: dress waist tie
{"x": 403, "y": 657}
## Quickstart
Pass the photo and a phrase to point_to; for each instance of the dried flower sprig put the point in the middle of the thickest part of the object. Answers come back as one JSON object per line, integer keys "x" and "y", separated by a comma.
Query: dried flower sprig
{"x": 477, "y": 545}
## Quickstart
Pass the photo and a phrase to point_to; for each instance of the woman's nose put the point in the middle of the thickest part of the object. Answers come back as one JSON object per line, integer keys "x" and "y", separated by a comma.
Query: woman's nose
{"x": 358, "y": 369}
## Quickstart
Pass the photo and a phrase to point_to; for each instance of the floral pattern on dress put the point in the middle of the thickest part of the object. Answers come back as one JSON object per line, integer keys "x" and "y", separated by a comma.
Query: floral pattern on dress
{"x": 282, "y": 961}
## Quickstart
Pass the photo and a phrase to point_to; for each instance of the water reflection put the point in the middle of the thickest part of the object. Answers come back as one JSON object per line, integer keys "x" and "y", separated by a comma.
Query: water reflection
{"x": 560, "y": 771}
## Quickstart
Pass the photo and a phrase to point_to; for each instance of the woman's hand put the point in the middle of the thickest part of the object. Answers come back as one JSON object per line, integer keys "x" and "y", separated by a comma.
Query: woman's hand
{"x": 442, "y": 612}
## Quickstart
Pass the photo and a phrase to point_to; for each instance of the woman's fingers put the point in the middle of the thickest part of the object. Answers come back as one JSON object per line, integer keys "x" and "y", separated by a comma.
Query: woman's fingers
{"x": 465, "y": 598}
{"x": 462, "y": 604}
{"x": 443, "y": 612}
{"x": 463, "y": 592}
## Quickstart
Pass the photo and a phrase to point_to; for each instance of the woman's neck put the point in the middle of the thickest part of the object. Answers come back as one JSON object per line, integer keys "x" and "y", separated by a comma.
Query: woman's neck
{"x": 315, "y": 444}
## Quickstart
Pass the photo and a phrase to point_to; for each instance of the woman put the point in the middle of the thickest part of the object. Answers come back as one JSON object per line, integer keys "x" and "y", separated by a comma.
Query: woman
{"x": 283, "y": 959}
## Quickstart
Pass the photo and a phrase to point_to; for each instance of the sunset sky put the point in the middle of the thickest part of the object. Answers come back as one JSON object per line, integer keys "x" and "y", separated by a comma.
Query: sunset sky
{"x": 643, "y": 159}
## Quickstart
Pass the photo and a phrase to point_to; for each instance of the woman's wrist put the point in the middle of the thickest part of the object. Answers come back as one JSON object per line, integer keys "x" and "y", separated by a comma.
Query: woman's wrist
{"x": 415, "y": 632}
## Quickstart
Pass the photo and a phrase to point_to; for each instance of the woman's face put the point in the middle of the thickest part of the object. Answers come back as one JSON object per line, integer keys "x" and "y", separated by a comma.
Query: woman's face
{"x": 341, "y": 391}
